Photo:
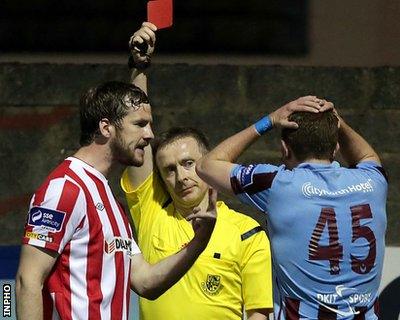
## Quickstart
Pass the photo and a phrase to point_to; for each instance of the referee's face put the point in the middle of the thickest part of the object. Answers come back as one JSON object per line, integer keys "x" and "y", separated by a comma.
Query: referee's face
{"x": 176, "y": 163}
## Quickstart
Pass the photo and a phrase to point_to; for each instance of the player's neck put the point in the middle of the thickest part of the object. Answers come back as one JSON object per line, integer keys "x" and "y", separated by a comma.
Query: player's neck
{"x": 294, "y": 164}
{"x": 99, "y": 157}
{"x": 321, "y": 161}
{"x": 317, "y": 161}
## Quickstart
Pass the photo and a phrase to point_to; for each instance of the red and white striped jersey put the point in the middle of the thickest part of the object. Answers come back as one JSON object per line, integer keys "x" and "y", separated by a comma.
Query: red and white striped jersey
{"x": 75, "y": 213}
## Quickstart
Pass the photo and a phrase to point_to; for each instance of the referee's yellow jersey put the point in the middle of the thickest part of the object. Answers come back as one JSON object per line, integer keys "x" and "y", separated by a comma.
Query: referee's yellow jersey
{"x": 234, "y": 271}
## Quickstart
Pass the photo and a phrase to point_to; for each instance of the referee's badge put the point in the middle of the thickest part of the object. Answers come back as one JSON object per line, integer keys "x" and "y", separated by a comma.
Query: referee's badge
{"x": 212, "y": 286}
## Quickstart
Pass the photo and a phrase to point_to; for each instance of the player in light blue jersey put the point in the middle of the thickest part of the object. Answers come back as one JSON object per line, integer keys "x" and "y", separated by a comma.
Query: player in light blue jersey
{"x": 326, "y": 223}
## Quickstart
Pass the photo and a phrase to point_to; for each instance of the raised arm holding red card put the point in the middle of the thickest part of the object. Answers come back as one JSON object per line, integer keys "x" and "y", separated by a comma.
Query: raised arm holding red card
{"x": 160, "y": 13}
{"x": 235, "y": 273}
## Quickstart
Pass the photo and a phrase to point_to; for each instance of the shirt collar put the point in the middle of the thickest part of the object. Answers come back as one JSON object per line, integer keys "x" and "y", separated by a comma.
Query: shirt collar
{"x": 331, "y": 165}
{"x": 89, "y": 168}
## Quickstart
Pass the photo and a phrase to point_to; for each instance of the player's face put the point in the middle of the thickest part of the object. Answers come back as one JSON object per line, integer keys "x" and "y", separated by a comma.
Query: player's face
{"x": 176, "y": 163}
{"x": 135, "y": 134}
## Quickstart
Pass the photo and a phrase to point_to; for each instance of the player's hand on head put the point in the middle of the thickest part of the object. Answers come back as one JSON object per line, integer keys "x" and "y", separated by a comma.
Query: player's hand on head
{"x": 280, "y": 117}
{"x": 326, "y": 105}
{"x": 203, "y": 222}
{"x": 142, "y": 43}
{"x": 336, "y": 113}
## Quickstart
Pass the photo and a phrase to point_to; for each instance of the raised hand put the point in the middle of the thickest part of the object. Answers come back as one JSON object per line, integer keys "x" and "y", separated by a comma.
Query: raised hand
{"x": 203, "y": 222}
{"x": 280, "y": 117}
{"x": 141, "y": 44}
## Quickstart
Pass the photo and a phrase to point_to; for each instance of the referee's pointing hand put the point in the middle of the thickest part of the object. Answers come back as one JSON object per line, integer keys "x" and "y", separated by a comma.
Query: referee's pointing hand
{"x": 203, "y": 222}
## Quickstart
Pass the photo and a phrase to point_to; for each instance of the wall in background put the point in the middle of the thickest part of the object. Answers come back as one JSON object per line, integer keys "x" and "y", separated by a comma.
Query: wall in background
{"x": 39, "y": 121}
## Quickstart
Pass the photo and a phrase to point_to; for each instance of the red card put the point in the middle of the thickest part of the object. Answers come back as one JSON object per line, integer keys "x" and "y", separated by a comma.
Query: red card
{"x": 159, "y": 12}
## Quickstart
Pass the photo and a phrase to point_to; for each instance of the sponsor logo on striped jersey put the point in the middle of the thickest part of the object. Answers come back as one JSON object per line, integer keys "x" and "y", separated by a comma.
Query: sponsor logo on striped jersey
{"x": 42, "y": 237}
{"x": 47, "y": 219}
{"x": 118, "y": 244}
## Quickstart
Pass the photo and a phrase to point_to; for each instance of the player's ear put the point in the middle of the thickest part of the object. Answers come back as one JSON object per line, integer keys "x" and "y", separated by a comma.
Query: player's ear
{"x": 285, "y": 150}
{"x": 336, "y": 150}
{"x": 106, "y": 128}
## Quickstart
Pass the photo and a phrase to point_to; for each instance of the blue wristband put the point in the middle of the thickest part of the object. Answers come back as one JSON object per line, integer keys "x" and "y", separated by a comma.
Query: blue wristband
{"x": 263, "y": 125}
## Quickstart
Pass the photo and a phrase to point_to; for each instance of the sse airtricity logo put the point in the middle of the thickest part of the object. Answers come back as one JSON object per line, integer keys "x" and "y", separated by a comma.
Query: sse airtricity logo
{"x": 46, "y": 219}
{"x": 37, "y": 216}
{"x": 310, "y": 191}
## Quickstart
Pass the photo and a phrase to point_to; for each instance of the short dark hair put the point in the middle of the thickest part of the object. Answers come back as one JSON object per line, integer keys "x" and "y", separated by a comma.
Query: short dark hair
{"x": 110, "y": 100}
{"x": 176, "y": 133}
{"x": 316, "y": 136}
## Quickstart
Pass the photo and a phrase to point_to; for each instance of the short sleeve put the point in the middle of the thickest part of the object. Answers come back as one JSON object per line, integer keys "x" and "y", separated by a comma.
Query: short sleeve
{"x": 374, "y": 170}
{"x": 56, "y": 211}
{"x": 256, "y": 270}
{"x": 135, "y": 248}
{"x": 145, "y": 200}
{"x": 251, "y": 183}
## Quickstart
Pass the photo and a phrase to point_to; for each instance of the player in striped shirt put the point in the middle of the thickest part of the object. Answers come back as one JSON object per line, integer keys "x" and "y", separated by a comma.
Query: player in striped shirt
{"x": 78, "y": 259}
{"x": 326, "y": 223}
